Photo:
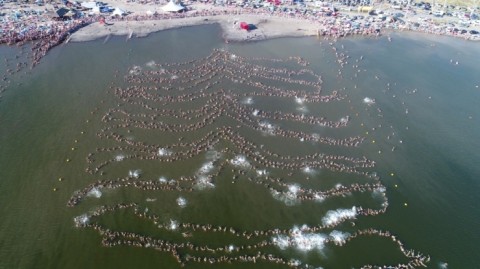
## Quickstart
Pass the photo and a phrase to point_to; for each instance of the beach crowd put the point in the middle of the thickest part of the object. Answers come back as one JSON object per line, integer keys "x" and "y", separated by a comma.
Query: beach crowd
{"x": 20, "y": 24}
{"x": 185, "y": 98}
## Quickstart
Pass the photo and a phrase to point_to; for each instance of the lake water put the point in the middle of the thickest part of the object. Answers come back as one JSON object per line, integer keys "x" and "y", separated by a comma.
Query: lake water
{"x": 413, "y": 101}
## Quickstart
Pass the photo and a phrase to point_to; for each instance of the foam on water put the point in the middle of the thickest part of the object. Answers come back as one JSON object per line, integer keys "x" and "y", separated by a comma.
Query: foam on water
{"x": 240, "y": 161}
{"x": 135, "y": 173}
{"x": 300, "y": 240}
{"x": 151, "y": 200}
{"x": 173, "y": 225}
{"x": 319, "y": 198}
{"x": 203, "y": 182}
{"x": 164, "y": 152}
{"x": 150, "y": 64}
{"x": 303, "y": 109}
{"x": 94, "y": 192}
{"x": 267, "y": 127}
{"x": 262, "y": 172}
{"x": 206, "y": 168}
{"x": 81, "y": 220}
{"x": 368, "y": 101}
{"x": 163, "y": 179}
{"x": 338, "y": 237}
{"x": 119, "y": 157}
{"x": 290, "y": 197}
{"x": 295, "y": 262}
{"x": 299, "y": 100}
{"x": 247, "y": 101}
{"x": 135, "y": 70}
{"x": 443, "y": 265}
{"x": 213, "y": 155}
{"x": 308, "y": 170}
{"x": 181, "y": 202}
{"x": 255, "y": 112}
{"x": 336, "y": 216}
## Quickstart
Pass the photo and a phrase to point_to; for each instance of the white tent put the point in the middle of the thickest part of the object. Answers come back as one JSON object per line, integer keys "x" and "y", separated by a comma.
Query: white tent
{"x": 172, "y": 7}
{"x": 88, "y": 4}
{"x": 96, "y": 9}
{"x": 118, "y": 12}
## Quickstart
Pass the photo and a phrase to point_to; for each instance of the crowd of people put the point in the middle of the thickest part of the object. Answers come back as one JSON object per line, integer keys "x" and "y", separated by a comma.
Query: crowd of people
{"x": 48, "y": 32}
{"x": 217, "y": 94}
{"x": 183, "y": 252}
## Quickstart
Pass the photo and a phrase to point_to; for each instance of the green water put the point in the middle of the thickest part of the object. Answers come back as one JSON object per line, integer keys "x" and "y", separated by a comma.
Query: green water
{"x": 435, "y": 166}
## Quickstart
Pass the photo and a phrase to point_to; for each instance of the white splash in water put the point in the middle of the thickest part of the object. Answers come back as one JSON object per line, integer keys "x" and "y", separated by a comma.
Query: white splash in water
{"x": 302, "y": 108}
{"x": 334, "y": 217}
{"x": 319, "y": 198}
{"x": 119, "y": 157}
{"x": 240, "y": 161}
{"x": 94, "y": 192}
{"x": 135, "y": 173}
{"x": 203, "y": 182}
{"x": 368, "y": 101}
{"x": 262, "y": 173}
{"x": 299, "y": 100}
{"x": 150, "y": 64}
{"x": 206, "y": 168}
{"x": 290, "y": 197}
{"x": 267, "y": 127}
{"x": 248, "y": 101}
{"x": 213, "y": 155}
{"x": 300, "y": 240}
{"x": 163, "y": 180}
{"x": 308, "y": 170}
{"x": 181, "y": 202}
{"x": 173, "y": 225}
{"x": 255, "y": 112}
{"x": 338, "y": 237}
{"x": 81, "y": 220}
{"x": 135, "y": 70}
{"x": 162, "y": 152}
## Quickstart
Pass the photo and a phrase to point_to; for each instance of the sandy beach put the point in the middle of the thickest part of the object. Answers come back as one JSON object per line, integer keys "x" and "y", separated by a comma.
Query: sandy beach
{"x": 267, "y": 27}
{"x": 42, "y": 24}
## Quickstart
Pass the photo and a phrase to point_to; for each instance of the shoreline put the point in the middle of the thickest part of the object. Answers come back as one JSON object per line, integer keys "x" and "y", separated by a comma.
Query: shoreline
{"x": 268, "y": 28}
{"x": 46, "y": 32}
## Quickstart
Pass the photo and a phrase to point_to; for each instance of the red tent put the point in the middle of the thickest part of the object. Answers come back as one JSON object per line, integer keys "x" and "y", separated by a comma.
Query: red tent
{"x": 244, "y": 26}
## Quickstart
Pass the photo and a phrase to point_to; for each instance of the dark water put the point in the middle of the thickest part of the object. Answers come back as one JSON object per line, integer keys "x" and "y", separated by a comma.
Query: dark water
{"x": 426, "y": 108}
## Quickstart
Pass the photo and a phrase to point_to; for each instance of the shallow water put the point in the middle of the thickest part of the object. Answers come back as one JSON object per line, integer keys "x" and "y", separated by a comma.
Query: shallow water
{"x": 425, "y": 108}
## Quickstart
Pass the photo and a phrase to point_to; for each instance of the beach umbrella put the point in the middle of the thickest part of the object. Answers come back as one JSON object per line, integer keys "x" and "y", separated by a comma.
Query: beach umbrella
{"x": 118, "y": 12}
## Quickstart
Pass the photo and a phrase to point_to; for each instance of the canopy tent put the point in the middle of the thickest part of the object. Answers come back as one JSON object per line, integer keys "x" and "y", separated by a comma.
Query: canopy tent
{"x": 89, "y": 4}
{"x": 118, "y": 12}
{"x": 172, "y": 7}
{"x": 64, "y": 13}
